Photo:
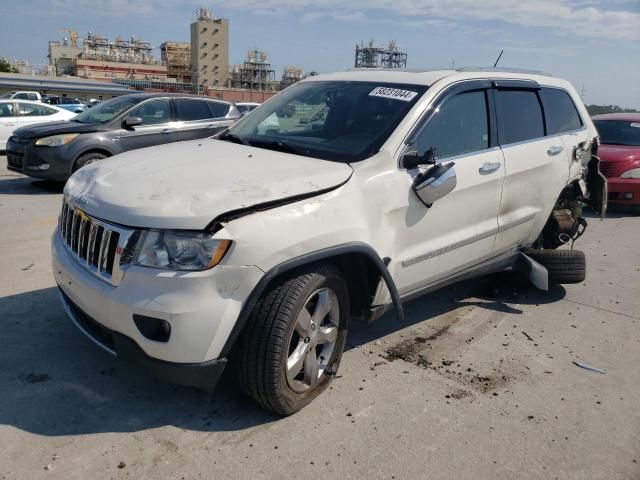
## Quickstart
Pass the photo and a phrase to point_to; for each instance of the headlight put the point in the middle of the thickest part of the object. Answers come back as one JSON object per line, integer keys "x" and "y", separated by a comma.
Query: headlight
{"x": 56, "y": 140}
{"x": 175, "y": 250}
{"x": 633, "y": 173}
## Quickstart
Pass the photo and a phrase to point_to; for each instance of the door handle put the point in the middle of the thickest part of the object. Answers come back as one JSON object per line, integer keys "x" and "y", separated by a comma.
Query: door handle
{"x": 552, "y": 151}
{"x": 489, "y": 167}
{"x": 212, "y": 125}
{"x": 167, "y": 131}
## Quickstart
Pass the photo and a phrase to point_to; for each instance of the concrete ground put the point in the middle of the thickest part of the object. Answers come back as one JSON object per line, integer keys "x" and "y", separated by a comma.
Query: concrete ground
{"x": 479, "y": 382}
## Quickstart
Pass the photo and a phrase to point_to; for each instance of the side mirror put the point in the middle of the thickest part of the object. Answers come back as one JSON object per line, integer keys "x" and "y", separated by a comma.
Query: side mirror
{"x": 131, "y": 122}
{"x": 435, "y": 183}
{"x": 412, "y": 159}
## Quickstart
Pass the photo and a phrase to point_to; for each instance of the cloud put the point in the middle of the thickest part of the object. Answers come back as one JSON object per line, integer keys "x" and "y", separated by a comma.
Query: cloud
{"x": 611, "y": 20}
{"x": 581, "y": 18}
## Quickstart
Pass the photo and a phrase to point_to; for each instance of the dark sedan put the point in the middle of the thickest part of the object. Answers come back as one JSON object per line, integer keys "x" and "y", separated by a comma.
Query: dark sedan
{"x": 54, "y": 151}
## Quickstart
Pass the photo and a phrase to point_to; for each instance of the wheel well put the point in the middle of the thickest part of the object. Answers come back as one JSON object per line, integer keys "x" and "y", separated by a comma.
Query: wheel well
{"x": 92, "y": 150}
{"x": 362, "y": 277}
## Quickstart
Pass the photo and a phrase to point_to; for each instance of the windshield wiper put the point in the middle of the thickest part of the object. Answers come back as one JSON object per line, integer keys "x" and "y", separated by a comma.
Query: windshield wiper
{"x": 232, "y": 137}
{"x": 277, "y": 145}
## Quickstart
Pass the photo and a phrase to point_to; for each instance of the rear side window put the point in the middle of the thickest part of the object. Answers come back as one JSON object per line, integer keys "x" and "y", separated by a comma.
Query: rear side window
{"x": 560, "y": 112}
{"x": 519, "y": 116}
{"x": 218, "y": 109}
{"x": 29, "y": 110}
{"x": 192, "y": 109}
{"x": 459, "y": 126}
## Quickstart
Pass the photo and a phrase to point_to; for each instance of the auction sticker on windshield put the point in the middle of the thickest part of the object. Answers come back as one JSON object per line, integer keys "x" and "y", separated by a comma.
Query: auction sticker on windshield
{"x": 395, "y": 93}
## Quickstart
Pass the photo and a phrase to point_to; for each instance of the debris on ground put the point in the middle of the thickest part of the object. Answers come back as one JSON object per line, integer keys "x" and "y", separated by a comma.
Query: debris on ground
{"x": 28, "y": 267}
{"x": 586, "y": 366}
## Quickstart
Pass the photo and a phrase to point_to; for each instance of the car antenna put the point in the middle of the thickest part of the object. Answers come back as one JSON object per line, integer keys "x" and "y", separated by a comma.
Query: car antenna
{"x": 499, "y": 57}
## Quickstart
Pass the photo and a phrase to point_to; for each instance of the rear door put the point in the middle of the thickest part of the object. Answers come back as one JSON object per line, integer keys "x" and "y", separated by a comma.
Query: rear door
{"x": 157, "y": 125}
{"x": 536, "y": 164}
{"x": 200, "y": 118}
{"x": 30, "y": 113}
{"x": 458, "y": 230}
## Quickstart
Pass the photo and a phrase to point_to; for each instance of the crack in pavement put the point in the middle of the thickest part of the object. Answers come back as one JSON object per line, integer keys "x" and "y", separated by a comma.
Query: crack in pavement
{"x": 601, "y": 308}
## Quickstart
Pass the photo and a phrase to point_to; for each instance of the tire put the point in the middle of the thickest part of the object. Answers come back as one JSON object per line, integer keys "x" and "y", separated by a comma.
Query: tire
{"x": 564, "y": 266}
{"x": 88, "y": 158}
{"x": 277, "y": 335}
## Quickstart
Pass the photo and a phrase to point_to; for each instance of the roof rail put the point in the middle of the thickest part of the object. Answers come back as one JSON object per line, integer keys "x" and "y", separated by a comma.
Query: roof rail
{"x": 503, "y": 70}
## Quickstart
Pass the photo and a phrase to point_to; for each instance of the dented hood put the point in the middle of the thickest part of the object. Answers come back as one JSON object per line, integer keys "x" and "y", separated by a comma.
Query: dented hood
{"x": 186, "y": 185}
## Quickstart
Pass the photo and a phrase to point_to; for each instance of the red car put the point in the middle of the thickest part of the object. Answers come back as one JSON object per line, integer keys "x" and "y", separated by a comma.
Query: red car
{"x": 619, "y": 151}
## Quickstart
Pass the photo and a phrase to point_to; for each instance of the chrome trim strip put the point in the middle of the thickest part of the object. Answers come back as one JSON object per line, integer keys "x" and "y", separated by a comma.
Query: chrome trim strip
{"x": 468, "y": 241}
{"x": 449, "y": 248}
{"x": 76, "y": 322}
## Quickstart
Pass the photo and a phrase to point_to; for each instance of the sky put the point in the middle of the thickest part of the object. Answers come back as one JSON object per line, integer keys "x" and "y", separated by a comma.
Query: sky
{"x": 593, "y": 44}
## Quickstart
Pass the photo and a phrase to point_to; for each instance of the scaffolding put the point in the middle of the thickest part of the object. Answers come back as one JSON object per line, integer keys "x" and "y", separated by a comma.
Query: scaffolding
{"x": 290, "y": 75}
{"x": 254, "y": 74}
{"x": 177, "y": 58}
{"x": 371, "y": 56}
{"x": 95, "y": 47}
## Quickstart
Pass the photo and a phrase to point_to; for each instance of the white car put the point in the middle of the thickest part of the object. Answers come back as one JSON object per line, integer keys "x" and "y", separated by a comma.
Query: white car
{"x": 25, "y": 95}
{"x": 246, "y": 107}
{"x": 15, "y": 114}
{"x": 257, "y": 248}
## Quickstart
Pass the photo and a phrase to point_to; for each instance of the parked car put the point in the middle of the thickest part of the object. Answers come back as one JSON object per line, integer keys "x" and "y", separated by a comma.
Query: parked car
{"x": 258, "y": 249}
{"x": 19, "y": 113}
{"x": 246, "y": 107}
{"x": 72, "y": 104}
{"x": 128, "y": 122}
{"x": 620, "y": 154}
{"x": 25, "y": 95}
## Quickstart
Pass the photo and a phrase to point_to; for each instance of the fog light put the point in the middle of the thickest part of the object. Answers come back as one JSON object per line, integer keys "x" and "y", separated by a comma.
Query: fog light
{"x": 154, "y": 329}
{"x": 628, "y": 196}
{"x": 42, "y": 166}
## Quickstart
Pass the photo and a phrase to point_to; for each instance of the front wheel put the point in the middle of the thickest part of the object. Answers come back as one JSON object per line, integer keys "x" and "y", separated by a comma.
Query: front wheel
{"x": 87, "y": 159}
{"x": 293, "y": 341}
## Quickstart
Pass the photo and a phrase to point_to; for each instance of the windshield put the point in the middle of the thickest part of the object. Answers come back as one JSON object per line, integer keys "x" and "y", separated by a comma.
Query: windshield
{"x": 8, "y": 95}
{"x": 332, "y": 120}
{"x": 618, "y": 132}
{"x": 107, "y": 111}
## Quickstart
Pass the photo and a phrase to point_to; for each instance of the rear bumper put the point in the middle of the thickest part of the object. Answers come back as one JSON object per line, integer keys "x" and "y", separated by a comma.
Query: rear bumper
{"x": 204, "y": 375}
{"x": 621, "y": 188}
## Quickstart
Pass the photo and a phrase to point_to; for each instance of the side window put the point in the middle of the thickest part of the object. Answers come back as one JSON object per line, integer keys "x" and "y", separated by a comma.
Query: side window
{"x": 560, "y": 112}
{"x": 519, "y": 116}
{"x": 6, "y": 110}
{"x": 458, "y": 126}
{"x": 153, "y": 112}
{"x": 30, "y": 110}
{"x": 20, "y": 96}
{"x": 32, "y": 96}
{"x": 191, "y": 109}
{"x": 218, "y": 109}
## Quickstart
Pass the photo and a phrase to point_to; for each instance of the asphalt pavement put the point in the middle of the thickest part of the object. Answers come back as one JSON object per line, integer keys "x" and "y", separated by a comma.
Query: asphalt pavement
{"x": 478, "y": 382}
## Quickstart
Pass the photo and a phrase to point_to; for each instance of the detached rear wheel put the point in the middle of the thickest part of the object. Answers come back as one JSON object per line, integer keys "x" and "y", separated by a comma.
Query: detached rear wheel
{"x": 293, "y": 342}
{"x": 564, "y": 266}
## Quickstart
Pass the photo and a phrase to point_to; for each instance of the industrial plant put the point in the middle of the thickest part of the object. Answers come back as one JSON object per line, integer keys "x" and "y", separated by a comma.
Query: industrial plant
{"x": 200, "y": 65}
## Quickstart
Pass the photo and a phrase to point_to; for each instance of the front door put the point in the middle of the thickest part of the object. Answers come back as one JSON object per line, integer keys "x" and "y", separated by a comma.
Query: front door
{"x": 8, "y": 122}
{"x": 157, "y": 126}
{"x": 458, "y": 230}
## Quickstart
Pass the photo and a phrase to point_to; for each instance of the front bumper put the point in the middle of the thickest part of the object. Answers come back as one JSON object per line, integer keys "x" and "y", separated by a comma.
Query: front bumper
{"x": 201, "y": 308}
{"x": 620, "y": 189}
{"x": 49, "y": 163}
{"x": 203, "y": 375}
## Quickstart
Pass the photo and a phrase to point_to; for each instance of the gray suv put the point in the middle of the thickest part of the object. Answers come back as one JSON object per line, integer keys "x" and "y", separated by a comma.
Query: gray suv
{"x": 54, "y": 151}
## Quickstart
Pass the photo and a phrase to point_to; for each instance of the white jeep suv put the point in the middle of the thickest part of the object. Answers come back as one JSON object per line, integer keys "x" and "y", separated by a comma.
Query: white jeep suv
{"x": 256, "y": 248}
